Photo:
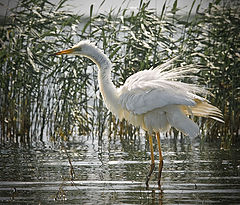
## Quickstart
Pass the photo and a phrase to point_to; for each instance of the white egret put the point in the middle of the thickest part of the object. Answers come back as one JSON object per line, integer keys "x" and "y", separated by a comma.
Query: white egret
{"x": 153, "y": 99}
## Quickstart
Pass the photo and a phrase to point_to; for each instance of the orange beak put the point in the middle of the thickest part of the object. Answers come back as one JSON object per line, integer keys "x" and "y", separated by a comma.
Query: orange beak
{"x": 68, "y": 51}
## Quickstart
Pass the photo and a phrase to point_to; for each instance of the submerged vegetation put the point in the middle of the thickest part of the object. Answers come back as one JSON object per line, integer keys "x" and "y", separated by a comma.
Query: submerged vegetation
{"x": 45, "y": 96}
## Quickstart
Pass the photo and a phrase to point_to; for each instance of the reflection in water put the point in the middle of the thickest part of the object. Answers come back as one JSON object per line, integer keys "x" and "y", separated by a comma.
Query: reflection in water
{"x": 113, "y": 172}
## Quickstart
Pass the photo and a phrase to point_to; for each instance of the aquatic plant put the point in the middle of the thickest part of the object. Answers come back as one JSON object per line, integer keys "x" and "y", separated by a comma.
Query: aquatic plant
{"x": 45, "y": 96}
{"x": 214, "y": 39}
{"x": 38, "y": 96}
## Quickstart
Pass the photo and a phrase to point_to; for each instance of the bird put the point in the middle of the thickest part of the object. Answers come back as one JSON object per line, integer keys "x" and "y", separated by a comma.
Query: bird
{"x": 154, "y": 99}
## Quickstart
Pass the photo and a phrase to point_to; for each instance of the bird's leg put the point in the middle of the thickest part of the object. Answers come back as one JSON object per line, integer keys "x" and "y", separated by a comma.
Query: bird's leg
{"x": 160, "y": 159}
{"x": 152, "y": 160}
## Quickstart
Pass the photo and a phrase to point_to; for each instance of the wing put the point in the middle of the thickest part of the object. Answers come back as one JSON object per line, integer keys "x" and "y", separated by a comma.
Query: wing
{"x": 151, "y": 89}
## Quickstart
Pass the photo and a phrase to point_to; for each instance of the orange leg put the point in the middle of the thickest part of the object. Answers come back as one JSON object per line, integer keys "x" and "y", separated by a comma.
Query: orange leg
{"x": 160, "y": 159}
{"x": 152, "y": 160}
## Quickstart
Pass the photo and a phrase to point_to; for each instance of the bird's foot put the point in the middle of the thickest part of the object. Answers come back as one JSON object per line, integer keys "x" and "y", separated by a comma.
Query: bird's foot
{"x": 160, "y": 173}
{"x": 149, "y": 174}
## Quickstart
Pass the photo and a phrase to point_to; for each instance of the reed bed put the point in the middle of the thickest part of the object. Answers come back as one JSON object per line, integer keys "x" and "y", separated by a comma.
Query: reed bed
{"x": 215, "y": 41}
{"x": 44, "y": 96}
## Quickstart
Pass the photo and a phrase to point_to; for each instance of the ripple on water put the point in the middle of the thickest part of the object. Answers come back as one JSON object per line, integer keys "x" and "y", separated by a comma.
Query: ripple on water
{"x": 190, "y": 176}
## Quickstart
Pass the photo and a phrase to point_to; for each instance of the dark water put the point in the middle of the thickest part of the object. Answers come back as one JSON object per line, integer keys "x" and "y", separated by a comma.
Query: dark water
{"x": 112, "y": 171}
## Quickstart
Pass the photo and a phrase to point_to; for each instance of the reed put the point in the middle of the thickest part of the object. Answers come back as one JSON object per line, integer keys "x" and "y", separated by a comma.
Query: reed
{"x": 215, "y": 43}
{"x": 38, "y": 97}
{"x": 43, "y": 96}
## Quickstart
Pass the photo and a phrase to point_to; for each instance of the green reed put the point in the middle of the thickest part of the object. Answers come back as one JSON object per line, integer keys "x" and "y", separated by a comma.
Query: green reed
{"x": 42, "y": 95}
{"x": 39, "y": 97}
{"x": 214, "y": 40}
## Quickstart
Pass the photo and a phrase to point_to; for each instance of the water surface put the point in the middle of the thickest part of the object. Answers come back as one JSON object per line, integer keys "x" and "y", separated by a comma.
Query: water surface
{"x": 113, "y": 171}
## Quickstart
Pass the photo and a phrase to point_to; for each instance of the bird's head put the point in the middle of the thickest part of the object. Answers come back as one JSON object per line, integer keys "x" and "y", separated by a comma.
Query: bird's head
{"x": 83, "y": 48}
{"x": 87, "y": 49}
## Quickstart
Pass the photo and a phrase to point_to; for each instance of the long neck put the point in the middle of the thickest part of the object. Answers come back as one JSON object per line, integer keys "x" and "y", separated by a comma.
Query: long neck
{"x": 107, "y": 88}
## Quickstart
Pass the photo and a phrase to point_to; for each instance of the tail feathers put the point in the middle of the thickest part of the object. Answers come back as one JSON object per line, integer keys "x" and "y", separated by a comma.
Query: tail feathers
{"x": 204, "y": 109}
{"x": 181, "y": 122}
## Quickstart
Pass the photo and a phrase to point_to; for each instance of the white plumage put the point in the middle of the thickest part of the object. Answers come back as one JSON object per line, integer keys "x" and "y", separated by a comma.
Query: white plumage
{"x": 153, "y": 99}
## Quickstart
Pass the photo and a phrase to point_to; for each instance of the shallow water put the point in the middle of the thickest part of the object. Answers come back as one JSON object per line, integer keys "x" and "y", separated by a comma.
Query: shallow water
{"x": 113, "y": 171}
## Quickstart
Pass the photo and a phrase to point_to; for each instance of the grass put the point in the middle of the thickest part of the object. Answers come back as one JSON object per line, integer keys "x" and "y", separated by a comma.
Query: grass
{"x": 59, "y": 97}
